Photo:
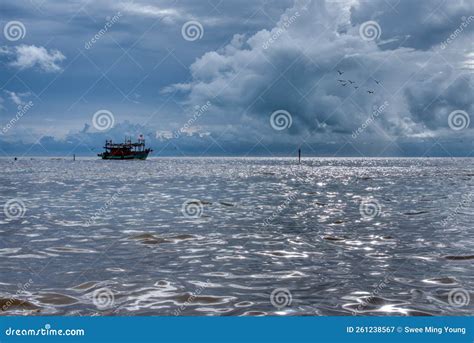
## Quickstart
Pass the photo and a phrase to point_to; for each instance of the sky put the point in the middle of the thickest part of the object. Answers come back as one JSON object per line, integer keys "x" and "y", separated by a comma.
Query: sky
{"x": 238, "y": 78}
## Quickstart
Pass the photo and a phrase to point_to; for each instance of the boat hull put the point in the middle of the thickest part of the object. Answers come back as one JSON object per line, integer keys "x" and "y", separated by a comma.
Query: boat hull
{"x": 142, "y": 155}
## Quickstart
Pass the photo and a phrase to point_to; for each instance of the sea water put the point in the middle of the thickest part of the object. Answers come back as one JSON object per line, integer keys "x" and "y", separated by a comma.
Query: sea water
{"x": 237, "y": 236}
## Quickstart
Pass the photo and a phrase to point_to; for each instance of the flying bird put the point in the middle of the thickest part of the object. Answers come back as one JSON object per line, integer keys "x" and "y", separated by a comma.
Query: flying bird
{"x": 370, "y": 92}
{"x": 377, "y": 82}
{"x": 344, "y": 84}
{"x": 341, "y": 80}
{"x": 356, "y": 87}
{"x": 351, "y": 82}
{"x": 340, "y": 72}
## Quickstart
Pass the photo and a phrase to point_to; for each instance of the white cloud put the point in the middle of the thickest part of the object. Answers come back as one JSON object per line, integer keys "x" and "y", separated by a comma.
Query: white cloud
{"x": 16, "y": 98}
{"x": 294, "y": 67}
{"x": 29, "y": 56}
{"x": 167, "y": 14}
{"x": 181, "y": 13}
{"x": 180, "y": 87}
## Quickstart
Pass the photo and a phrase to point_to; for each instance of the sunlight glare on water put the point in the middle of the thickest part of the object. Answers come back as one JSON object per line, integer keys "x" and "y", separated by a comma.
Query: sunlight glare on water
{"x": 216, "y": 236}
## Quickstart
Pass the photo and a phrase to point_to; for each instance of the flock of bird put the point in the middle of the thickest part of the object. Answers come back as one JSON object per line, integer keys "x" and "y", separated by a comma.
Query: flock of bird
{"x": 344, "y": 83}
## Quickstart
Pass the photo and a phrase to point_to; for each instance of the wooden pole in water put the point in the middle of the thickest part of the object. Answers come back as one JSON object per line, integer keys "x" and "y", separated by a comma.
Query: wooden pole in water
{"x": 299, "y": 156}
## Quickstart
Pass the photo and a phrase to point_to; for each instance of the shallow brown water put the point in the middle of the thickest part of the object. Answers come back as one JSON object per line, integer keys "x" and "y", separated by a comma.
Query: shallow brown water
{"x": 110, "y": 237}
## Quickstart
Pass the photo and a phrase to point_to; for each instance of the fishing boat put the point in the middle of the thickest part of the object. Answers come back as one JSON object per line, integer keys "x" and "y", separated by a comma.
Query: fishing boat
{"x": 125, "y": 151}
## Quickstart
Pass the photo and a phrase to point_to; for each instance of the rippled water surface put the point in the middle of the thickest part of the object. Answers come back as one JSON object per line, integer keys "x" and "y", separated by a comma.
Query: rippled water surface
{"x": 110, "y": 237}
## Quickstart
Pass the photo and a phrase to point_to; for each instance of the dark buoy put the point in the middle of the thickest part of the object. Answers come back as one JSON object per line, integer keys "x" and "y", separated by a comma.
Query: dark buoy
{"x": 74, "y": 157}
{"x": 16, "y": 158}
{"x": 299, "y": 156}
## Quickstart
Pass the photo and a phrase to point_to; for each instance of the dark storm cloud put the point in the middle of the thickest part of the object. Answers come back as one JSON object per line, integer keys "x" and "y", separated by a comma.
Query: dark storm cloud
{"x": 418, "y": 24}
{"x": 294, "y": 67}
{"x": 254, "y": 58}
